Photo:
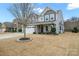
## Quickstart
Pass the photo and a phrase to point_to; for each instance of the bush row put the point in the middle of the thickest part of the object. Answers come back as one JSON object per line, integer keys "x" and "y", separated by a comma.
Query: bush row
{"x": 12, "y": 30}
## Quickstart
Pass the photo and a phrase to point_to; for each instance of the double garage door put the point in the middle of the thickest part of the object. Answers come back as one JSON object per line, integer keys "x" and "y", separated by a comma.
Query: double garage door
{"x": 30, "y": 30}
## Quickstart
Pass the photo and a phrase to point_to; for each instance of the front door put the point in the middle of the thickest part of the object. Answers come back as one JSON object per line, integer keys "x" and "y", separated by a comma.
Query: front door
{"x": 42, "y": 28}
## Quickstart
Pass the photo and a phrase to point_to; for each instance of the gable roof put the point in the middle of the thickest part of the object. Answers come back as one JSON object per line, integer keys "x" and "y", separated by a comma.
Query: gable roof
{"x": 45, "y": 10}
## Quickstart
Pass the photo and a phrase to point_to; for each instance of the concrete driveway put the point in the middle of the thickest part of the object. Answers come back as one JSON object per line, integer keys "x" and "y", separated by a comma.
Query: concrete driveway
{"x": 9, "y": 35}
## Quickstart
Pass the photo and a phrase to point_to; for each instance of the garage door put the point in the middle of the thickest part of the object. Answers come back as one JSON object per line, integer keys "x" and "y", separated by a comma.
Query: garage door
{"x": 30, "y": 30}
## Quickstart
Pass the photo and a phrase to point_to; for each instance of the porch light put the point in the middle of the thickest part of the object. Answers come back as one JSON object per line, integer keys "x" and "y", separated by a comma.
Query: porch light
{"x": 52, "y": 25}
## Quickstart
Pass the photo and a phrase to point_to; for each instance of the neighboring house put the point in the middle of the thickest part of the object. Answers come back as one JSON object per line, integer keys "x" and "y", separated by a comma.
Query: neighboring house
{"x": 69, "y": 25}
{"x": 0, "y": 27}
{"x": 47, "y": 20}
{"x": 18, "y": 25}
{"x": 8, "y": 27}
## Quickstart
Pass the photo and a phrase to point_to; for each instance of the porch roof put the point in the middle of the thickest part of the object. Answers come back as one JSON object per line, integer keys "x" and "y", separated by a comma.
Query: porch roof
{"x": 43, "y": 23}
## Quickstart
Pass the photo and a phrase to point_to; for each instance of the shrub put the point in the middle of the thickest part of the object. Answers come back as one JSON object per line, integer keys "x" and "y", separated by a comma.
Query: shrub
{"x": 39, "y": 32}
{"x": 20, "y": 30}
{"x": 53, "y": 30}
{"x": 48, "y": 32}
{"x": 12, "y": 30}
{"x": 34, "y": 32}
{"x": 43, "y": 33}
{"x": 75, "y": 30}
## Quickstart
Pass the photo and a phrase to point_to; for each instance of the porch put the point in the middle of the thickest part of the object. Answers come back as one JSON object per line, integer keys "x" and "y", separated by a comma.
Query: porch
{"x": 45, "y": 28}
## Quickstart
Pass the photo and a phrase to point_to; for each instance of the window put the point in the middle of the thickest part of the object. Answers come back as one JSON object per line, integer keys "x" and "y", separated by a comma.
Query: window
{"x": 46, "y": 17}
{"x": 41, "y": 19}
{"x": 51, "y": 17}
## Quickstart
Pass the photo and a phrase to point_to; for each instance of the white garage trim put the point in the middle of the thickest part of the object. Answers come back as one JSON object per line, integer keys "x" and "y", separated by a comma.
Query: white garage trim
{"x": 30, "y": 30}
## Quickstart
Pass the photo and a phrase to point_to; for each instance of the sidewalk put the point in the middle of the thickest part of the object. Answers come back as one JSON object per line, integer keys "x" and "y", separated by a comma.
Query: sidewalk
{"x": 9, "y": 35}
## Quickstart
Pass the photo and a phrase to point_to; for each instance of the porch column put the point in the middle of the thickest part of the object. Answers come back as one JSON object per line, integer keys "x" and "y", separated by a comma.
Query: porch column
{"x": 57, "y": 29}
{"x": 11, "y": 29}
{"x": 36, "y": 29}
{"x": 44, "y": 28}
{"x": 49, "y": 28}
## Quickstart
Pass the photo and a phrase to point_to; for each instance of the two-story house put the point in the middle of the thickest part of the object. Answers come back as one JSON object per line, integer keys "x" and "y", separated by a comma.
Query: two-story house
{"x": 47, "y": 20}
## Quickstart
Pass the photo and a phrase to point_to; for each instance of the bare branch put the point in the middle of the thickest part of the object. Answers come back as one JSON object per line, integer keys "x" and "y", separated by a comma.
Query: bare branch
{"x": 22, "y": 12}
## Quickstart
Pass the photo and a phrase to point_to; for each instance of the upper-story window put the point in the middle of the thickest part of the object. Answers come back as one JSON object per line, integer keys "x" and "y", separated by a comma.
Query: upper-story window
{"x": 41, "y": 19}
{"x": 32, "y": 19}
{"x": 52, "y": 17}
{"x": 46, "y": 17}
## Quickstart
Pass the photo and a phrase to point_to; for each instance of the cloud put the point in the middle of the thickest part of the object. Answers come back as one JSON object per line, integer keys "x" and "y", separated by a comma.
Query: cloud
{"x": 72, "y": 6}
{"x": 61, "y": 1}
{"x": 38, "y": 10}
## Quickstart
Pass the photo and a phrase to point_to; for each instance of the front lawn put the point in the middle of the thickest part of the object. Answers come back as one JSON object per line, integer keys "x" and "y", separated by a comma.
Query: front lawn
{"x": 62, "y": 44}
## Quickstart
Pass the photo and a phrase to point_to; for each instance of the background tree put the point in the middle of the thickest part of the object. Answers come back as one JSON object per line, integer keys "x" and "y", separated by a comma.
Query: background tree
{"x": 22, "y": 12}
{"x": 74, "y": 19}
{"x": 0, "y": 25}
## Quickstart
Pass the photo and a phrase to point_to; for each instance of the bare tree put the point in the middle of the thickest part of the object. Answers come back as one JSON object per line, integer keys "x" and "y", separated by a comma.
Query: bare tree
{"x": 0, "y": 25}
{"x": 22, "y": 12}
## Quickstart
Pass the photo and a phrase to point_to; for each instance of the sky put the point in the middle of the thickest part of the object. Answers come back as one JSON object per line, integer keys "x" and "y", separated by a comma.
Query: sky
{"x": 69, "y": 10}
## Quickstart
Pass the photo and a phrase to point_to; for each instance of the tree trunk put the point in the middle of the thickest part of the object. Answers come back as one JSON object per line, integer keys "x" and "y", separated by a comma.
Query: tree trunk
{"x": 24, "y": 30}
{"x": 17, "y": 27}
